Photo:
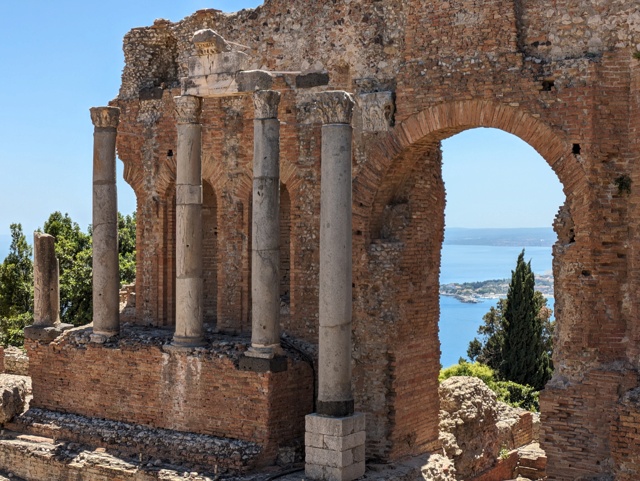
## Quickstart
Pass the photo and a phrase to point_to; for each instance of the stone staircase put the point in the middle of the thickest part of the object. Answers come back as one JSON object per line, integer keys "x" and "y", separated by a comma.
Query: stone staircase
{"x": 532, "y": 462}
{"x": 45, "y": 445}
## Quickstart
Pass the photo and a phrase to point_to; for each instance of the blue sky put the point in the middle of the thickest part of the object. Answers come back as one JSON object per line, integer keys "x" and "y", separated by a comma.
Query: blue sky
{"x": 61, "y": 58}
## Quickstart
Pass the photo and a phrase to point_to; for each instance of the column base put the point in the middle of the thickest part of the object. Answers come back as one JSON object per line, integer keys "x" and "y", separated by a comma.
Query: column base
{"x": 261, "y": 364}
{"x": 45, "y": 333}
{"x": 187, "y": 342}
{"x": 335, "y": 447}
{"x": 264, "y": 352}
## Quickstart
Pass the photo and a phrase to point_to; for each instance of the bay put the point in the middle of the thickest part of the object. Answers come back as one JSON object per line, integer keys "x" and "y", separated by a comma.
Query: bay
{"x": 459, "y": 321}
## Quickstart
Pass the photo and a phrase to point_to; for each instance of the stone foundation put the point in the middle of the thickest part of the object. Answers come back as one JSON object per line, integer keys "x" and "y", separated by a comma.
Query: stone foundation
{"x": 335, "y": 447}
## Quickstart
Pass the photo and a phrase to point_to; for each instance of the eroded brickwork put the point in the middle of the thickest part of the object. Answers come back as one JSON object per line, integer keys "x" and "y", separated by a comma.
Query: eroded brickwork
{"x": 561, "y": 77}
{"x": 135, "y": 380}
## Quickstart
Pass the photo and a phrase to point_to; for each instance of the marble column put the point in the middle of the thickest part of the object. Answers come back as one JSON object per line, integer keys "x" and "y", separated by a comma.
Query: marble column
{"x": 106, "y": 277}
{"x": 335, "y": 435}
{"x": 46, "y": 290}
{"x": 334, "y": 377}
{"x": 189, "y": 283}
{"x": 265, "y": 249}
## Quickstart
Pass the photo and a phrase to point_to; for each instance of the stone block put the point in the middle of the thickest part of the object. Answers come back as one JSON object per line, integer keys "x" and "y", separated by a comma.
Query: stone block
{"x": 328, "y": 457}
{"x": 342, "y": 443}
{"x": 314, "y": 440}
{"x": 335, "y": 426}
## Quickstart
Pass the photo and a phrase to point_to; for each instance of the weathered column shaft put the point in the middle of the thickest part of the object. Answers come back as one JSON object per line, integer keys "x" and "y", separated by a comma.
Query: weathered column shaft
{"x": 335, "y": 397}
{"x": 46, "y": 281}
{"x": 265, "y": 261}
{"x": 106, "y": 277}
{"x": 335, "y": 436}
{"x": 189, "y": 321}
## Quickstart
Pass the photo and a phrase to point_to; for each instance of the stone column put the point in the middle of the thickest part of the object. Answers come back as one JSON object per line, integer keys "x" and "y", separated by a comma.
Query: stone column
{"x": 265, "y": 234}
{"x": 189, "y": 321}
{"x": 106, "y": 277}
{"x": 335, "y": 435}
{"x": 46, "y": 291}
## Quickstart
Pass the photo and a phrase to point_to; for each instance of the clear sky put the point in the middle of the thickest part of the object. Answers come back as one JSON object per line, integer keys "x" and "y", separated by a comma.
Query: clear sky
{"x": 62, "y": 57}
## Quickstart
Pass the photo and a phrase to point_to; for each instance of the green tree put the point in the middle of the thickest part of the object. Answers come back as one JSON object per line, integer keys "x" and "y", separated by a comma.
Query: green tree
{"x": 489, "y": 351}
{"x": 518, "y": 347}
{"x": 524, "y": 359}
{"x": 73, "y": 249}
{"x": 127, "y": 248}
{"x": 16, "y": 289}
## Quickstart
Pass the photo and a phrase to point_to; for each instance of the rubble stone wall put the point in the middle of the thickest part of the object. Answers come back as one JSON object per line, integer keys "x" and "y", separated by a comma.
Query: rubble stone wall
{"x": 562, "y": 78}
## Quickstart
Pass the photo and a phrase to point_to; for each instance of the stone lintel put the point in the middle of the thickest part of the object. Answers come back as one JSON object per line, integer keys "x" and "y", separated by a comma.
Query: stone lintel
{"x": 266, "y": 104}
{"x": 188, "y": 108}
{"x": 309, "y": 80}
{"x": 105, "y": 117}
{"x": 252, "y": 80}
{"x": 45, "y": 333}
{"x": 260, "y": 365}
{"x": 334, "y": 107}
{"x": 335, "y": 447}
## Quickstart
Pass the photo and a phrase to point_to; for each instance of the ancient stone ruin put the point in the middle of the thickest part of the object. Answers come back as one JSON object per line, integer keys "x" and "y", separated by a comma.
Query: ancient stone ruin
{"x": 287, "y": 167}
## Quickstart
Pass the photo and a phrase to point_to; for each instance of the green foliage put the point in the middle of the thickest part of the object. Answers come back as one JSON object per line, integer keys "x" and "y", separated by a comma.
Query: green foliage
{"x": 473, "y": 369}
{"x": 16, "y": 276}
{"x": 524, "y": 359}
{"x": 73, "y": 250}
{"x": 16, "y": 289}
{"x": 74, "y": 253}
{"x": 508, "y": 392}
{"x": 127, "y": 248}
{"x": 636, "y": 54}
{"x": 517, "y": 395}
{"x": 517, "y": 335}
{"x": 12, "y": 329}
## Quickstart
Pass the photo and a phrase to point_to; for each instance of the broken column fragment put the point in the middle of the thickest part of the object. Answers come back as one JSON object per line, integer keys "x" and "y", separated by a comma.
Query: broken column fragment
{"x": 106, "y": 277}
{"x": 46, "y": 291}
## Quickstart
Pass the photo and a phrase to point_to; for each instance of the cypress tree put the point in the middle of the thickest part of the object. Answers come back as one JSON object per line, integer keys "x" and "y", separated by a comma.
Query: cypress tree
{"x": 524, "y": 359}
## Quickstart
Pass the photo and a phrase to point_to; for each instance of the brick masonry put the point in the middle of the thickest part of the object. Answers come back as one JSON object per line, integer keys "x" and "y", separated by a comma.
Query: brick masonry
{"x": 199, "y": 391}
{"x": 560, "y": 76}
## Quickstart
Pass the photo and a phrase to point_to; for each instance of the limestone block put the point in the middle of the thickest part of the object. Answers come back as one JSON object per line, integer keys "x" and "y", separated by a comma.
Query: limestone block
{"x": 13, "y": 395}
{"x": 335, "y": 447}
{"x": 250, "y": 80}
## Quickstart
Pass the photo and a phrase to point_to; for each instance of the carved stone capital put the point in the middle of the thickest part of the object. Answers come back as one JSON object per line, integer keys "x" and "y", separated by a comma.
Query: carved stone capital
{"x": 266, "y": 104}
{"x": 188, "y": 109}
{"x": 334, "y": 107}
{"x": 377, "y": 111}
{"x": 209, "y": 42}
{"x": 105, "y": 117}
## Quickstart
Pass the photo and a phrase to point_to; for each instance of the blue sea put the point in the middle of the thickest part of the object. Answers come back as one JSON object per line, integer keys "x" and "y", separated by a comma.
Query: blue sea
{"x": 459, "y": 321}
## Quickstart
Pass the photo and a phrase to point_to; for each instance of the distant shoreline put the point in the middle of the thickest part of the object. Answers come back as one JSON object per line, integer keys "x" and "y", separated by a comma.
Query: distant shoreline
{"x": 477, "y": 292}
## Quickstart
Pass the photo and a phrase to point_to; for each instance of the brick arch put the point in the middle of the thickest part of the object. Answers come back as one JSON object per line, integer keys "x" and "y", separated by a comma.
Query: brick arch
{"x": 392, "y": 157}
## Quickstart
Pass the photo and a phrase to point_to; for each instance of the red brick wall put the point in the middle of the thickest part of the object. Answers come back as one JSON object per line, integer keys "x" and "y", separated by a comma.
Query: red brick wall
{"x": 203, "y": 393}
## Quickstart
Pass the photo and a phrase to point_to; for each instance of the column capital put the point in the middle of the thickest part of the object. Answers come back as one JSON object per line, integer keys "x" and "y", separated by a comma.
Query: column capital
{"x": 105, "y": 117}
{"x": 335, "y": 107}
{"x": 188, "y": 109}
{"x": 266, "y": 104}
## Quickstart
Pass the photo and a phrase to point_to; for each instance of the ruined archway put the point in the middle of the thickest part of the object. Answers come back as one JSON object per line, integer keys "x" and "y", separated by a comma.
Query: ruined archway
{"x": 402, "y": 233}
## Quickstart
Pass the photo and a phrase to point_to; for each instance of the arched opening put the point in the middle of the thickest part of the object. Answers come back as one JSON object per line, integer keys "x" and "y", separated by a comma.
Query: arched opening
{"x": 209, "y": 253}
{"x": 401, "y": 196}
{"x": 501, "y": 198}
{"x": 285, "y": 256}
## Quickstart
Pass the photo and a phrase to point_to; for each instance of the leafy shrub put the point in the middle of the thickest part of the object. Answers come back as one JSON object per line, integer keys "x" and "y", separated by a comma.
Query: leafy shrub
{"x": 473, "y": 369}
{"x": 508, "y": 392}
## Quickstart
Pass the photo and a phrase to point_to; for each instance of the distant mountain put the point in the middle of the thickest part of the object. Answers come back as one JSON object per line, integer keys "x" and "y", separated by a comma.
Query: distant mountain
{"x": 520, "y": 237}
